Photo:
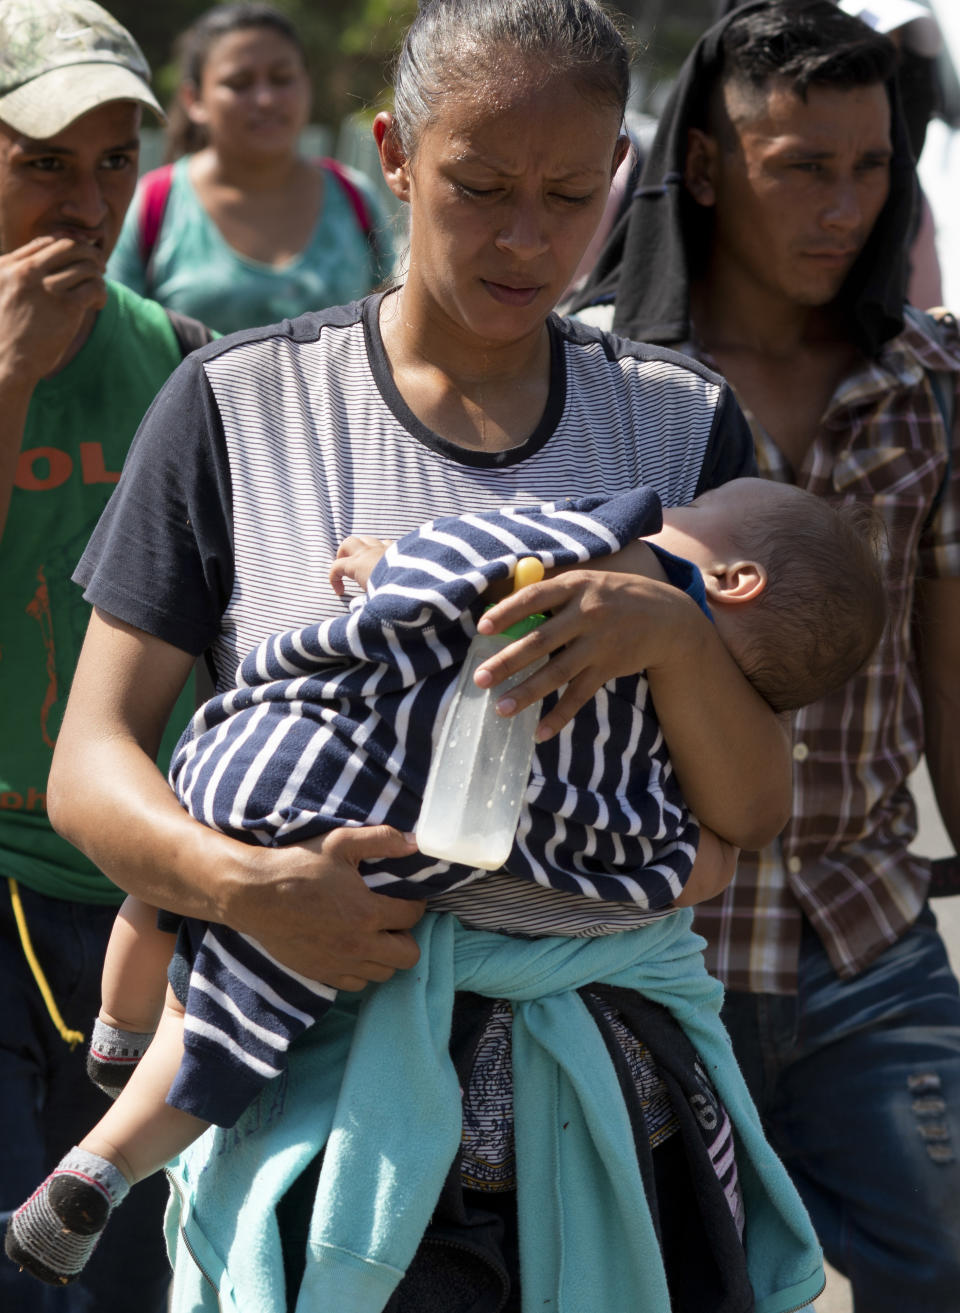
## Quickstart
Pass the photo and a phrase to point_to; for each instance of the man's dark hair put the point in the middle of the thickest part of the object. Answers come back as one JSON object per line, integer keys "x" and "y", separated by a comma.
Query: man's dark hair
{"x": 807, "y": 42}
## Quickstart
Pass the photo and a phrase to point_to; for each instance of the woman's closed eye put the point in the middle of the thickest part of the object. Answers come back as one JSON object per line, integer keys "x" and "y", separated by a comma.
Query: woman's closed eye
{"x": 478, "y": 192}
{"x": 573, "y": 200}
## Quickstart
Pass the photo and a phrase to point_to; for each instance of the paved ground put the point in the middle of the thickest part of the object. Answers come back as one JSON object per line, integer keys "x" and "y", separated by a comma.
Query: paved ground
{"x": 933, "y": 842}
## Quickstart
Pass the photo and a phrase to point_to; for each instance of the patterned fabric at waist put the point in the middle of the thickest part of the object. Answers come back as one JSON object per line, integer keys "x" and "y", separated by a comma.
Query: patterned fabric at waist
{"x": 501, "y": 902}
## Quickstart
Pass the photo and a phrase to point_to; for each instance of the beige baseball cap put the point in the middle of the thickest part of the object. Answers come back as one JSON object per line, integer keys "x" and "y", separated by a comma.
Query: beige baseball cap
{"x": 60, "y": 59}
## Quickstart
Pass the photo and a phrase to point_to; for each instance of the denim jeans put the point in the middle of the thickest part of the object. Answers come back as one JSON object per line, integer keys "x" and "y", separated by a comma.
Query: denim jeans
{"x": 858, "y": 1084}
{"x": 47, "y": 1103}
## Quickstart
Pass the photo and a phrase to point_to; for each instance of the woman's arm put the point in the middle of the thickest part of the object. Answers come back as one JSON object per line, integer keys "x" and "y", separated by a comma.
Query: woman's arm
{"x": 306, "y": 903}
{"x": 730, "y": 752}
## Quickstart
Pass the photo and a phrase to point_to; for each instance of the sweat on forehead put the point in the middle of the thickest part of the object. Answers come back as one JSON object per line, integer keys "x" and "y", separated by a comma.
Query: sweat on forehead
{"x": 491, "y": 82}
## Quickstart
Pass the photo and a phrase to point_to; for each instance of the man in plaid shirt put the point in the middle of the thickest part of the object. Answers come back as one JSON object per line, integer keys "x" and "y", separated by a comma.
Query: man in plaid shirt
{"x": 768, "y": 237}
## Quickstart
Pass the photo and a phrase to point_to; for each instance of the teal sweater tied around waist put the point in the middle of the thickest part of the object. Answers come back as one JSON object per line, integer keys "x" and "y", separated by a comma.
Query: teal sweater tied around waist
{"x": 374, "y": 1086}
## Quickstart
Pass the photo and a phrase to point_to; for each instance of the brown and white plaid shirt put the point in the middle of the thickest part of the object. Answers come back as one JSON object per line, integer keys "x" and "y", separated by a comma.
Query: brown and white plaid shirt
{"x": 843, "y": 859}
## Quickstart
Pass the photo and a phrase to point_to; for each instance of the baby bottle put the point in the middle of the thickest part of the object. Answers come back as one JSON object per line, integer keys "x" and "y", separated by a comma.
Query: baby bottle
{"x": 480, "y": 766}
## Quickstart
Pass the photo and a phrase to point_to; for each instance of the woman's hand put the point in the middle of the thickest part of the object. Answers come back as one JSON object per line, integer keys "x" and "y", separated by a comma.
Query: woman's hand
{"x": 309, "y": 907}
{"x": 730, "y": 753}
{"x": 601, "y": 625}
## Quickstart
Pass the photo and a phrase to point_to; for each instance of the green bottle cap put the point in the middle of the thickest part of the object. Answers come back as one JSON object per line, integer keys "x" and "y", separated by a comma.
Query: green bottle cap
{"x": 523, "y": 626}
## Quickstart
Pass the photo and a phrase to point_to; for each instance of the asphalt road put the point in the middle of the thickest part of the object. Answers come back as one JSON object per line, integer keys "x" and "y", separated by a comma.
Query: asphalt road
{"x": 932, "y": 841}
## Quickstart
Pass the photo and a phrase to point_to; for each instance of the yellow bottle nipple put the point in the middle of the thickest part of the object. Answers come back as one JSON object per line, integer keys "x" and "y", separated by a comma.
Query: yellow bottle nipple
{"x": 529, "y": 571}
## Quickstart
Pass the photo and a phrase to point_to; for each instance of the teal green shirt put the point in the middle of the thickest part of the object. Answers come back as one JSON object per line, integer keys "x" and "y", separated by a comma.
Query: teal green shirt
{"x": 195, "y": 271}
{"x": 79, "y": 427}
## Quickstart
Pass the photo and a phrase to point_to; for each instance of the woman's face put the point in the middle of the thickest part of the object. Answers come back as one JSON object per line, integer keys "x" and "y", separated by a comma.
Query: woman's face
{"x": 254, "y": 93}
{"x": 506, "y": 186}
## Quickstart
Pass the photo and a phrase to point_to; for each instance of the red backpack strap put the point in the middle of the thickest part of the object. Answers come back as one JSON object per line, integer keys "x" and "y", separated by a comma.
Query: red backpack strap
{"x": 154, "y": 191}
{"x": 354, "y": 194}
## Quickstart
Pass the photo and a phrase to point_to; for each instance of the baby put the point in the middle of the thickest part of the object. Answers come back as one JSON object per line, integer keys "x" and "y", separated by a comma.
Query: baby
{"x": 332, "y": 725}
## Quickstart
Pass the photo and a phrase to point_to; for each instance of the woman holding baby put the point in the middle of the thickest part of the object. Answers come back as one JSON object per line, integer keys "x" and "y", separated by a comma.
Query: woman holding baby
{"x": 458, "y": 390}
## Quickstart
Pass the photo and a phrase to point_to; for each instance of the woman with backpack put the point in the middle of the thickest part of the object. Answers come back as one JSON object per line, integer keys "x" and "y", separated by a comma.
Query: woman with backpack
{"x": 240, "y": 229}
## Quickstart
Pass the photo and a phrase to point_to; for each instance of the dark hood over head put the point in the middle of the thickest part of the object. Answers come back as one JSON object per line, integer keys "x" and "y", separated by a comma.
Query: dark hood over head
{"x": 663, "y": 239}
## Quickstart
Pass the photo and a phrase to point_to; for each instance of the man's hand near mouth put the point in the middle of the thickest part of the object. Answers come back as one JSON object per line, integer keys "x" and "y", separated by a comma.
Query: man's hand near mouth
{"x": 50, "y": 292}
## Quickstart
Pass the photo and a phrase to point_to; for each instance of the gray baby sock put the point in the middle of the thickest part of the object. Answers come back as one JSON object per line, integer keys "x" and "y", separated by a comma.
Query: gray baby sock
{"x": 113, "y": 1056}
{"x": 54, "y": 1233}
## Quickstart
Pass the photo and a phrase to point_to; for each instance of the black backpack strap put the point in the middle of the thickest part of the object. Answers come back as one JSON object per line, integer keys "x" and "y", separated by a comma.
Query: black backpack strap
{"x": 190, "y": 333}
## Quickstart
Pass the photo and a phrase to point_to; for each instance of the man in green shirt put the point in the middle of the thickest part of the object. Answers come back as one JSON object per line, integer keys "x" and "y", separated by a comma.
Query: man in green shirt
{"x": 80, "y": 361}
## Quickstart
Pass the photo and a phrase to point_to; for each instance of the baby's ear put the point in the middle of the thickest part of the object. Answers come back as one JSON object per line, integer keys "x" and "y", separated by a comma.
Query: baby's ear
{"x": 739, "y": 581}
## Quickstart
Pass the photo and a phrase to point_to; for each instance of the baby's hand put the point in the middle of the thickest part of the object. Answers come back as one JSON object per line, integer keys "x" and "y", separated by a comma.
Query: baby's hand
{"x": 356, "y": 557}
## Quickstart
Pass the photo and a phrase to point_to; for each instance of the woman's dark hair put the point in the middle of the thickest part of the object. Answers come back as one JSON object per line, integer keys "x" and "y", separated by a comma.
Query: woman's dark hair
{"x": 192, "y": 48}
{"x": 807, "y": 43}
{"x": 454, "y": 43}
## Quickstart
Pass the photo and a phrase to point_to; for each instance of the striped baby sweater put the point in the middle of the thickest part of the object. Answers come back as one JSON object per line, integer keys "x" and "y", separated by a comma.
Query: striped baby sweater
{"x": 333, "y": 724}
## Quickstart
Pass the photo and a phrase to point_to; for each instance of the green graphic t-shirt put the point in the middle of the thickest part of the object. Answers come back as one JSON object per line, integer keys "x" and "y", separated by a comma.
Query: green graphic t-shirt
{"x": 79, "y": 427}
